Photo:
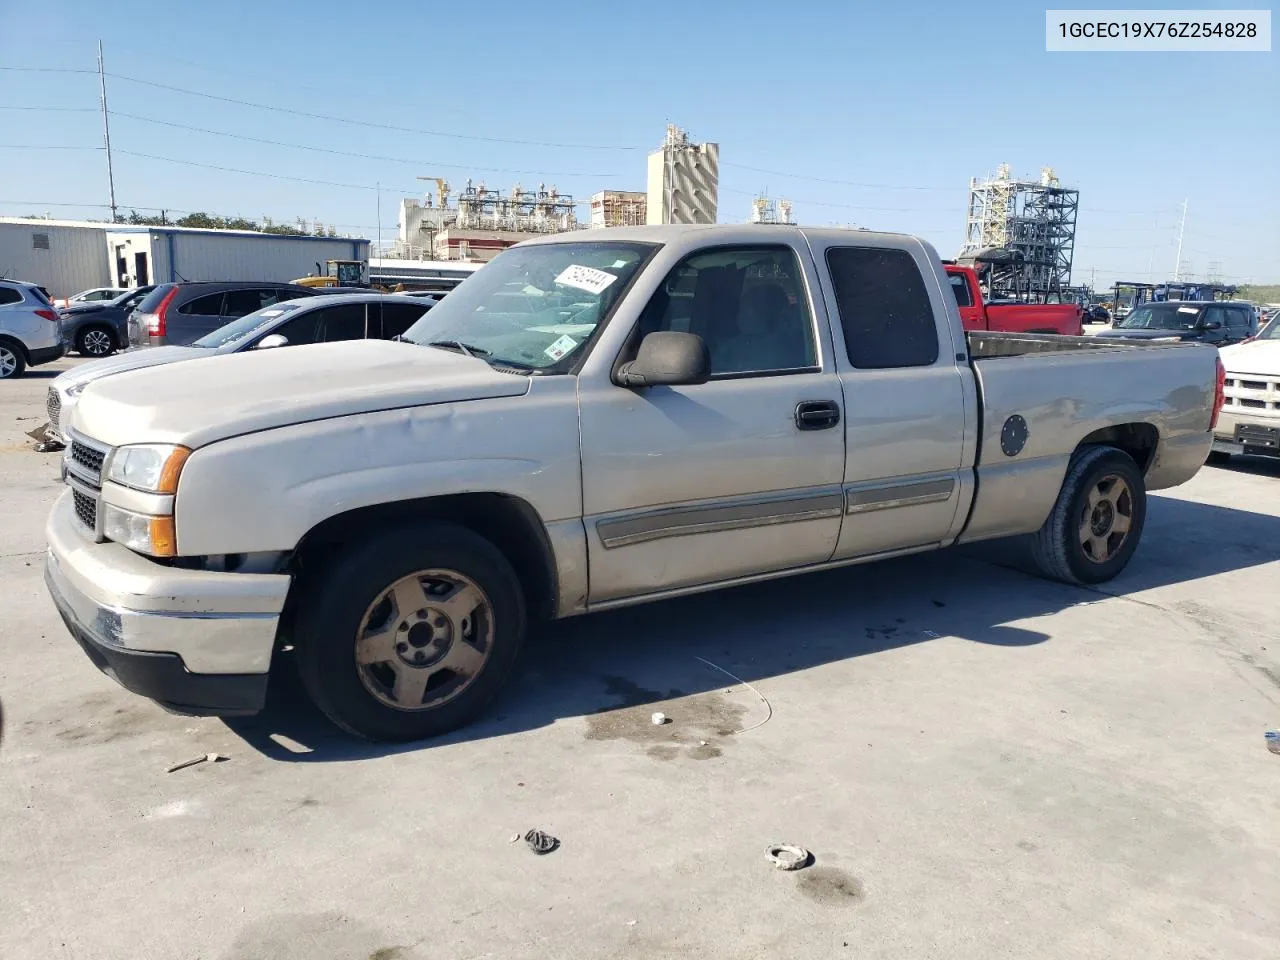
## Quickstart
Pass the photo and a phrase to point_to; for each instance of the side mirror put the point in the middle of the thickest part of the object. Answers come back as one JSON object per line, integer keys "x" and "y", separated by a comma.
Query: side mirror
{"x": 272, "y": 340}
{"x": 668, "y": 358}
{"x": 1213, "y": 324}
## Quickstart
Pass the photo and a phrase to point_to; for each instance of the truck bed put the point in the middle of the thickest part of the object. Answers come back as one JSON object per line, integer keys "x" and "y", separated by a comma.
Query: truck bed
{"x": 985, "y": 345}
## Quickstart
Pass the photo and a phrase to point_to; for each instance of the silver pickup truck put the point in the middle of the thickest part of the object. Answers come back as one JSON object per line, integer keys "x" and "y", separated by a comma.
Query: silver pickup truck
{"x": 595, "y": 419}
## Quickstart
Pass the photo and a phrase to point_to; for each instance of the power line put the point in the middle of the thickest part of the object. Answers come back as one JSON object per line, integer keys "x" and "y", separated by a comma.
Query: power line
{"x": 47, "y": 70}
{"x": 44, "y": 146}
{"x": 251, "y": 173}
{"x": 347, "y": 153}
{"x": 846, "y": 183}
{"x": 365, "y": 123}
{"x": 53, "y": 109}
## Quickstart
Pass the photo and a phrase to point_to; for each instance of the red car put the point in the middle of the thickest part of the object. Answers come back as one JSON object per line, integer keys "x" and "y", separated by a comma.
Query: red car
{"x": 1012, "y": 317}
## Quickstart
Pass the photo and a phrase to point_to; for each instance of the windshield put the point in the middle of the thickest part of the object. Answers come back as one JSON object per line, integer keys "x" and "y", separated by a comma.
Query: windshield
{"x": 533, "y": 306}
{"x": 1271, "y": 331}
{"x": 246, "y": 326}
{"x": 1161, "y": 316}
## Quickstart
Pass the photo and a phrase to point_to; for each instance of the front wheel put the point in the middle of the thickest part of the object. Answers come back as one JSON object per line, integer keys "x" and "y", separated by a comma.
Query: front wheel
{"x": 1096, "y": 522}
{"x": 411, "y": 634}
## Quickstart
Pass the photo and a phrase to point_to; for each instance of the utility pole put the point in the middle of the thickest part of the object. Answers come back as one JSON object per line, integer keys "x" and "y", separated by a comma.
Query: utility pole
{"x": 378, "y": 188}
{"x": 106, "y": 133}
{"x": 1182, "y": 227}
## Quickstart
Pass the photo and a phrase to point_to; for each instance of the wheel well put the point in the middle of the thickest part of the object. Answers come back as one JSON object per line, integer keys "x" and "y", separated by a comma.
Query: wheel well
{"x": 508, "y": 522}
{"x": 1138, "y": 440}
{"x": 17, "y": 345}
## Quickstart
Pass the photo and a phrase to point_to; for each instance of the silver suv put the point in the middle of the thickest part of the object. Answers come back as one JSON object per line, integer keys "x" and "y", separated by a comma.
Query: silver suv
{"x": 30, "y": 333}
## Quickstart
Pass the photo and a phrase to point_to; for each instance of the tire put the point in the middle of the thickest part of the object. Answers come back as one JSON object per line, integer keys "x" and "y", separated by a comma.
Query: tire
{"x": 95, "y": 342}
{"x": 1080, "y": 543}
{"x": 12, "y": 360}
{"x": 352, "y": 596}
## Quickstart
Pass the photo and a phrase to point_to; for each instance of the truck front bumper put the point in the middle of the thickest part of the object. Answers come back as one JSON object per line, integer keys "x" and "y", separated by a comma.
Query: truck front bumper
{"x": 1238, "y": 432}
{"x": 197, "y": 642}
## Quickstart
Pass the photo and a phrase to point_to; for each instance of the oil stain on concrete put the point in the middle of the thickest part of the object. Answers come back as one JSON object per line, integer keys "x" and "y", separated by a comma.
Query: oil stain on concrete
{"x": 313, "y": 936}
{"x": 697, "y": 728}
{"x": 830, "y": 887}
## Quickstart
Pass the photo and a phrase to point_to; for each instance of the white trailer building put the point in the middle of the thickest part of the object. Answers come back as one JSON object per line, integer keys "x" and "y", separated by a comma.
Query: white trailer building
{"x": 67, "y": 256}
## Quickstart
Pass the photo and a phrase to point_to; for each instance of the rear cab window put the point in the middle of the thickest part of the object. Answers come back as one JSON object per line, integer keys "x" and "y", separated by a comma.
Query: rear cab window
{"x": 885, "y": 313}
{"x": 960, "y": 287}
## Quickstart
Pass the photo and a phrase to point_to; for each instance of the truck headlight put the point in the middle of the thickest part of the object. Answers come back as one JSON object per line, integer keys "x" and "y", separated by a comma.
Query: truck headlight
{"x": 145, "y": 534}
{"x": 77, "y": 388}
{"x": 153, "y": 467}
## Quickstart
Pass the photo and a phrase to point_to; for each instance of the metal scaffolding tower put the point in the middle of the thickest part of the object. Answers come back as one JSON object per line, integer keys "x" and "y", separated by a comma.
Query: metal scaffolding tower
{"x": 1034, "y": 221}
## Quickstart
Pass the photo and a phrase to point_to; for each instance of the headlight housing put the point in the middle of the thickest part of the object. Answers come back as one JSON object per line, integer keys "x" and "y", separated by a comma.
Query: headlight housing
{"x": 140, "y": 532}
{"x": 152, "y": 467}
{"x": 77, "y": 388}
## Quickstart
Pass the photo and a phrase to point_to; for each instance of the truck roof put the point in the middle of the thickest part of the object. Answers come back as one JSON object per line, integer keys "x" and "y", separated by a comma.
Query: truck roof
{"x": 732, "y": 232}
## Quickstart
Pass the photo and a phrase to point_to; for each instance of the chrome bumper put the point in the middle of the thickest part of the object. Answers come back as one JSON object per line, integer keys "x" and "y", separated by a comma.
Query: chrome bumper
{"x": 216, "y": 623}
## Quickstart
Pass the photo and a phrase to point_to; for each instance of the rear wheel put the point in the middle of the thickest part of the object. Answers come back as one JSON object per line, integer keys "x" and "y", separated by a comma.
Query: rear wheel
{"x": 12, "y": 362}
{"x": 410, "y": 634}
{"x": 95, "y": 342}
{"x": 1097, "y": 520}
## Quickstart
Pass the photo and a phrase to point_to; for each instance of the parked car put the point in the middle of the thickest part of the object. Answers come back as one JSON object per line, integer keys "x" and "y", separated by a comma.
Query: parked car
{"x": 347, "y": 316}
{"x": 29, "y": 330}
{"x": 182, "y": 313}
{"x": 588, "y": 422}
{"x": 1250, "y": 420}
{"x": 1097, "y": 314}
{"x": 92, "y": 295}
{"x": 100, "y": 329}
{"x": 1215, "y": 322}
{"x": 1010, "y": 317}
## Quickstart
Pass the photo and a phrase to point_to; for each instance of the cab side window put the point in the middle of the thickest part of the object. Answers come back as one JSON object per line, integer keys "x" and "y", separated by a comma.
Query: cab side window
{"x": 346, "y": 322}
{"x": 884, "y": 308}
{"x": 747, "y": 303}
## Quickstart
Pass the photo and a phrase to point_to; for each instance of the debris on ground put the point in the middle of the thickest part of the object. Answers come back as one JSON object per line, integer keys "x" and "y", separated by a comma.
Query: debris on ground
{"x": 786, "y": 856}
{"x": 515, "y": 838}
{"x": 768, "y": 706}
{"x": 45, "y": 441}
{"x": 540, "y": 842}
{"x": 659, "y": 719}
{"x": 203, "y": 758}
{"x": 1273, "y": 740}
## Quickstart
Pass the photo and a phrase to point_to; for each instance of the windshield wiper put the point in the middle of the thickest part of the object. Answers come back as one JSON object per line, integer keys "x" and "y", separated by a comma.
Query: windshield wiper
{"x": 467, "y": 348}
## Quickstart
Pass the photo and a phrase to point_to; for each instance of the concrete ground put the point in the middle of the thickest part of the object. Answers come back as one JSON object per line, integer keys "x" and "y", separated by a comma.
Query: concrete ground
{"x": 984, "y": 764}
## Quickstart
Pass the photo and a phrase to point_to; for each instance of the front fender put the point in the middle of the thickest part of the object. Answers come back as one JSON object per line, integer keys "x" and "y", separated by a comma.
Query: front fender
{"x": 263, "y": 491}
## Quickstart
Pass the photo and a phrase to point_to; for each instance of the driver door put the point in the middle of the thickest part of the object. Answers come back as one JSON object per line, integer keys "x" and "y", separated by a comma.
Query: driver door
{"x": 689, "y": 485}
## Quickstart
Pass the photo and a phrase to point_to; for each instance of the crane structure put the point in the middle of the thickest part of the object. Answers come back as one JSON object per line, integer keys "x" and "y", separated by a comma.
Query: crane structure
{"x": 1032, "y": 223}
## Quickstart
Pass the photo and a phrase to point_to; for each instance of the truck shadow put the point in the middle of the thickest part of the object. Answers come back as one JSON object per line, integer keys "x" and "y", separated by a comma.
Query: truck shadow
{"x": 648, "y": 655}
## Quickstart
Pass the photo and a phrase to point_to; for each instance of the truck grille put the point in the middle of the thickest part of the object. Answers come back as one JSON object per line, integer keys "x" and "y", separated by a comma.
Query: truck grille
{"x": 53, "y": 406}
{"x": 83, "y": 467}
{"x": 86, "y": 508}
{"x": 89, "y": 458}
{"x": 1253, "y": 393}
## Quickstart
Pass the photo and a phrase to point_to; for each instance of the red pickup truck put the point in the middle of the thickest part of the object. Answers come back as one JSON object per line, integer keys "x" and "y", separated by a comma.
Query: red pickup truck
{"x": 1012, "y": 316}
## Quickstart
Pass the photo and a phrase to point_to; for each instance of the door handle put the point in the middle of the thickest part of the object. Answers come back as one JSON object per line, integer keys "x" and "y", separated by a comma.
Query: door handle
{"x": 817, "y": 414}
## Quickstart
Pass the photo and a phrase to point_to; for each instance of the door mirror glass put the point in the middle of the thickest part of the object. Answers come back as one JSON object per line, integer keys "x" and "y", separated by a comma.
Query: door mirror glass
{"x": 667, "y": 358}
{"x": 1213, "y": 324}
{"x": 272, "y": 340}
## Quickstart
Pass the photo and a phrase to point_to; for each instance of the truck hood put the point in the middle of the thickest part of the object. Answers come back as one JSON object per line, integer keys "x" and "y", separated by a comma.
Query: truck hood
{"x": 1261, "y": 356}
{"x": 121, "y": 362}
{"x": 216, "y": 397}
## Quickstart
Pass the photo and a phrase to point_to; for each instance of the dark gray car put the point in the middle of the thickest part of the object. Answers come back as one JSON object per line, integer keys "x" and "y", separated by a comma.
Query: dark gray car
{"x": 182, "y": 313}
{"x": 1215, "y": 322}
{"x": 100, "y": 329}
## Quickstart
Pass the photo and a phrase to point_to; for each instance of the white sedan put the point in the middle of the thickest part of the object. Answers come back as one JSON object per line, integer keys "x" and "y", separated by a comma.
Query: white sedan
{"x": 1250, "y": 418}
{"x": 94, "y": 295}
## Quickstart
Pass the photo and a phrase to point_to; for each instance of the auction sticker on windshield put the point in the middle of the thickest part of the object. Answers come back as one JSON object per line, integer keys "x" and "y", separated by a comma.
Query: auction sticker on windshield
{"x": 561, "y": 346}
{"x": 585, "y": 278}
{"x": 1188, "y": 309}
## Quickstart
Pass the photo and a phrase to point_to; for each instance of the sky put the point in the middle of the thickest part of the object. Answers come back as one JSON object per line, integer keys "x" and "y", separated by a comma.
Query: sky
{"x": 867, "y": 113}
